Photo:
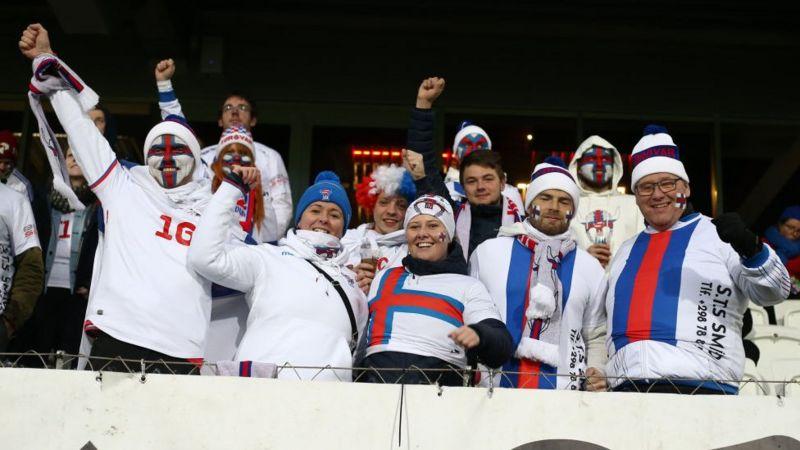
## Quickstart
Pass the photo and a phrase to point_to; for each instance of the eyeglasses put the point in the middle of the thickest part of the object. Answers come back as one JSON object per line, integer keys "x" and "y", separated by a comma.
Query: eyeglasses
{"x": 243, "y": 107}
{"x": 665, "y": 186}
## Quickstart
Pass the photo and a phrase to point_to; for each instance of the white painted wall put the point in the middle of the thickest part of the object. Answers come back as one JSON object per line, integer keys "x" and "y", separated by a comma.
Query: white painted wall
{"x": 48, "y": 409}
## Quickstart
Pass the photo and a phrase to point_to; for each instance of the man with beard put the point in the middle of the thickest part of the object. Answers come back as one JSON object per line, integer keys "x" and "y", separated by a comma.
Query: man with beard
{"x": 549, "y": 292}
{"x": 605, "y": 218}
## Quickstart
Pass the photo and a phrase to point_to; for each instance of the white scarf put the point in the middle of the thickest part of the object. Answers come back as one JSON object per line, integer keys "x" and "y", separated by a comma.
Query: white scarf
{"x": 51, "y": 74}
{"x": 511, "y": 215}
{"x": 545, "y": 294}
{"x": 367, "y": 233}
{"x": 305, "y": 244}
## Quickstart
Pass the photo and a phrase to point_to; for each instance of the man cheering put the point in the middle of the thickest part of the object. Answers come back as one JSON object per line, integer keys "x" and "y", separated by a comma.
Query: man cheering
{"x": 677, "y": 291}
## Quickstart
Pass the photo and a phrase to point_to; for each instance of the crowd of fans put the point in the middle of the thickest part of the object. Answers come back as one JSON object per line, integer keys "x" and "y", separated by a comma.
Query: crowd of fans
{"x": 199, "y": 255}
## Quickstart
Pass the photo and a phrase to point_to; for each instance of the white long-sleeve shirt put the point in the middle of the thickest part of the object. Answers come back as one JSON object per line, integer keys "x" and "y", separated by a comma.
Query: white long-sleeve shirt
{"x": 675, "y": 304}
{"x": 296, "y": 316}
{"x": 145, "y": 294}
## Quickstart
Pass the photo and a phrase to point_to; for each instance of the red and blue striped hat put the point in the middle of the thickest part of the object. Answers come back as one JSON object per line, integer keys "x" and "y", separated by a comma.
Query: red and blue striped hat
{"x": 552, "y": 174}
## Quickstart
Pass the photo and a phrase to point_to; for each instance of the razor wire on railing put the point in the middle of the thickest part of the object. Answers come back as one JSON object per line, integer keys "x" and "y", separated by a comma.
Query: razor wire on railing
{"x": 448, "y": 376}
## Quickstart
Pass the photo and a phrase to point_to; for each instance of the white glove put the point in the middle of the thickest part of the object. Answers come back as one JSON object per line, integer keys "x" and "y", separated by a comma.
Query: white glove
{"x": 542, "y": 303}
{"x": 537, "y": 350}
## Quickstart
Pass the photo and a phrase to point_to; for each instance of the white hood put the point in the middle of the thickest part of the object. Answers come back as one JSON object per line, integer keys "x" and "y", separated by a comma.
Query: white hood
{"x": 618, "y": 168}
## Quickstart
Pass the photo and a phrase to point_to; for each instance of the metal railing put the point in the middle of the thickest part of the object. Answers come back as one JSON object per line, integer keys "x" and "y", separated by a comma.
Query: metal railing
{"x": 400, "y": 375}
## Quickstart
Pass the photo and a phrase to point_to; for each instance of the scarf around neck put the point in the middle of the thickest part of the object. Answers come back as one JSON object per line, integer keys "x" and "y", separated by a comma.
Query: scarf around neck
{"x": 545, "y": 292}
{"x": 509, "y": 215}
{"x": 454, "y": 262}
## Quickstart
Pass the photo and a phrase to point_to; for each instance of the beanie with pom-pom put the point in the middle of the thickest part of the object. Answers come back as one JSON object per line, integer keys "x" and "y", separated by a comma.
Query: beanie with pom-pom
{"x": 552, "y": 174}
{"x": 326, "y": 188}
{"x": 655, "y": 152}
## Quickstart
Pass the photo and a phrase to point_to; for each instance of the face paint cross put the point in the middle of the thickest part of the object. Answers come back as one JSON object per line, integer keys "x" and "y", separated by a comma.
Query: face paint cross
{"x": 596, "y": 166}
{"x": 235, "y": 159}
{"x": 170, "y": 161}
{"x": 470, "y": 143}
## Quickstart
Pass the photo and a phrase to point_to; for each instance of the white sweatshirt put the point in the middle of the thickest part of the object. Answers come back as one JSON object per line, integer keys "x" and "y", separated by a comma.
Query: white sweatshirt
{"x": 296, "y": 316}
{"x": 675, "y": 303}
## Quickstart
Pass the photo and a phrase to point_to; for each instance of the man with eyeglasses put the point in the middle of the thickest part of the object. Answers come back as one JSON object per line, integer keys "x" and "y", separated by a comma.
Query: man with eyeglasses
{"x": 238, "y": 111}
{"x": 678, "y": 290}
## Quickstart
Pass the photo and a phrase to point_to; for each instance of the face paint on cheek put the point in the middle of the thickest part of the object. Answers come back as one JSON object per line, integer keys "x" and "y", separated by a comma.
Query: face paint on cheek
{"x": 570, "y": 215}
{"x": 680, "y": 201}
{"x": 442, "y": 237}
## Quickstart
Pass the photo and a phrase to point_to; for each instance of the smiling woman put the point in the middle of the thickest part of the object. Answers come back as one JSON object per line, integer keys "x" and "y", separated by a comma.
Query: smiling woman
{"x": 428, "y": 313}
{"x": 305, "y": 306}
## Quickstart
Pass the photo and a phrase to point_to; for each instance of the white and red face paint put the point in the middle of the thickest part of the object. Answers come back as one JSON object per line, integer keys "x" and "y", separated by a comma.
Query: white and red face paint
{"x": 680, "y": 201}
{"x": 596, "y": 166}
{"x": 170, "y": 161}
{"x": 235, "y": 159}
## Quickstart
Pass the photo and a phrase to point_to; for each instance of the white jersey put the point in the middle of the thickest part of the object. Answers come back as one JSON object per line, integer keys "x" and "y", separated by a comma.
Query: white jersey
{"x": 17, "y": 234}
{"x": 675, "y": 304}
{"x": 60, "y": 271}
{"x": 275, "y": 186}
{"x": 389, "y": 249}
{"x": 503, "y": 264}
{"x": 607, "y": 217}
{"x": 296, "y": 316}
{"x": 414, "y": 314}
{"x": 17, "y": 181}
{"x": 145, "y": 294}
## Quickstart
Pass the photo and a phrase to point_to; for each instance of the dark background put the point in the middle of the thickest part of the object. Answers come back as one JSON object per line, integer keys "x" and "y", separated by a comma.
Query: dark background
{"x": 330, "y": 76}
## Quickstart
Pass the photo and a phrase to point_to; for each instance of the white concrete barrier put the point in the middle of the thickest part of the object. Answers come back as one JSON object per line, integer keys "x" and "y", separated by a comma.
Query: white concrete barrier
{"x": 51, "y": 409}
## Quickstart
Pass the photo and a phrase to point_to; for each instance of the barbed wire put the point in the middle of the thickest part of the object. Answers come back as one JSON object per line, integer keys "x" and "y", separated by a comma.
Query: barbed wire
{"x": 492, "y": 378}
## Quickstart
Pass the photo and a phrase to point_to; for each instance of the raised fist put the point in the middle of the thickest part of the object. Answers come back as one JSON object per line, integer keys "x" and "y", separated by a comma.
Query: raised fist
{"x": 429, "y": 90}
{"x": 165, "y": 69}
{"x": 732, "y": 230}
{"x": 34, "y": 41}
{"x": 414, "y": 164}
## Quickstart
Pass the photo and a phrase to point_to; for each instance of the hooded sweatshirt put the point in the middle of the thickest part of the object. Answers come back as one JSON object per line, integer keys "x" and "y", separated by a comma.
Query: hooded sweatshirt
{"x": 606, "y": 215}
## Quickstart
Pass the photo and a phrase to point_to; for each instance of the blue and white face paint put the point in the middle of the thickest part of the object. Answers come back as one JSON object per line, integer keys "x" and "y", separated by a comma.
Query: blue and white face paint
{"x": 170, "y": 161}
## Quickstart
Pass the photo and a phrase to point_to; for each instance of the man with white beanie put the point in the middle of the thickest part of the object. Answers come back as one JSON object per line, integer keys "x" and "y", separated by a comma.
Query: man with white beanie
{"x": 549, "y": 292}
{"x": 605, "y": 218}
{"x": 145, "y": 302}
{"x": 678, "y": 290}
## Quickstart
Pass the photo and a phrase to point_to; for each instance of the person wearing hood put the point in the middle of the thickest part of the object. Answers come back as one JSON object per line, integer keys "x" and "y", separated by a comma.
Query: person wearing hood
{"x": 384, "y": 195}
{"x": 678, "y": 290}
{"x": 605, "y": 218}
{"x": 145, "y": 302}
{"x": 470, "y": 138}
{"x": 486, "y": 208}
{"x": 428, "y": 313}
{"x": 549, "y": 291}
{"x": 305, "y": 306}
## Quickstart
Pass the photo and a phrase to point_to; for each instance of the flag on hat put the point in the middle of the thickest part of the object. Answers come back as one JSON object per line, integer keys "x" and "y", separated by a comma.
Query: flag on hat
{"x": 656, "y": 152}
{"x": 552, "y": 174}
